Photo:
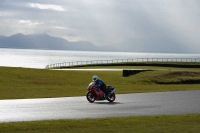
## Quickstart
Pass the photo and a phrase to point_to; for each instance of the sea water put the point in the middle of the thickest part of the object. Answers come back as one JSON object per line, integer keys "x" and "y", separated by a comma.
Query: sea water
{"x": 41, "y": 58}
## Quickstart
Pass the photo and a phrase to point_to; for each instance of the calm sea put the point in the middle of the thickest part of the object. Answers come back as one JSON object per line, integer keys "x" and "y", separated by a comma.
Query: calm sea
{"x": 41, "y": 58}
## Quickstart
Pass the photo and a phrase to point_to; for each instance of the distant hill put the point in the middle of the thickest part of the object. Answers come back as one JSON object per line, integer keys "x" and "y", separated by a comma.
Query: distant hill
{"x": 43, "y": 41}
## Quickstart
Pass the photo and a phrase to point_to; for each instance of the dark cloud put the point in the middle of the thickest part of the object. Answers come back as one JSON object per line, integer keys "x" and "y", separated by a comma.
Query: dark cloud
{"x": 130, "y": 25}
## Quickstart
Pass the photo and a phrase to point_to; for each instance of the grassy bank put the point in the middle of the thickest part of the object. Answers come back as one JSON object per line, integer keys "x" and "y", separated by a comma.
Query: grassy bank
{"x": 37, "y": 83}
{"x": 142, "y": 64}
{"x": 136, "y": 124}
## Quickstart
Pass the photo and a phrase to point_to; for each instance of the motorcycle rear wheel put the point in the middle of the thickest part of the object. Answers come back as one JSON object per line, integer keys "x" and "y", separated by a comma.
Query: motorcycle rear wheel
{"x": 111, "y": 98}
{"x": 91, "y": 97}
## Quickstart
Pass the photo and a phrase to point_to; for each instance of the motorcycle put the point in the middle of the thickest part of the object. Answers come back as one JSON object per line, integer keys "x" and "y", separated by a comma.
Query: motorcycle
{"x": 95, "y": 93}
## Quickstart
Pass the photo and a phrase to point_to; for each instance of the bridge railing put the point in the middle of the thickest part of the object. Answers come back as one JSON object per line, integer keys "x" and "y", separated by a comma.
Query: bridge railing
{"x": 97, "y": 62}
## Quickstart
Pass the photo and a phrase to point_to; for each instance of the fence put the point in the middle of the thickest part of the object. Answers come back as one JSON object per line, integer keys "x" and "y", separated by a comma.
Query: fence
{"x": 98, "y": 62}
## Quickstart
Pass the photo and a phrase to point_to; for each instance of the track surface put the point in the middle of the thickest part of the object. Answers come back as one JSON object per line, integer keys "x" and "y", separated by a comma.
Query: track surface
{"x": 178, "y": 102}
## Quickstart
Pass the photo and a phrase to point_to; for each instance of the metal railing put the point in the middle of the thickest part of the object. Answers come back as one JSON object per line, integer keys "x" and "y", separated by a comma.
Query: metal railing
{"x": 99, "y": 62}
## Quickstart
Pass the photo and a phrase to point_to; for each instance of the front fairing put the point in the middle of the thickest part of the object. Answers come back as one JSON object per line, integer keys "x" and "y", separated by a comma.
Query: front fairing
{"x": 90, "y": 86}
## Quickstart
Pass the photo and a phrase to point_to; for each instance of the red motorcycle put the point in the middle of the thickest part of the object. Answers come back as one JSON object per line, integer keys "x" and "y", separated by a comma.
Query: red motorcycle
{"x": 95, "y": 93}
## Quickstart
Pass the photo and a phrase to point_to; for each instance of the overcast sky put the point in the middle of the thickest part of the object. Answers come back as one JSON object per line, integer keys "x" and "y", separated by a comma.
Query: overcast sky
{"x": 146, "y": 25}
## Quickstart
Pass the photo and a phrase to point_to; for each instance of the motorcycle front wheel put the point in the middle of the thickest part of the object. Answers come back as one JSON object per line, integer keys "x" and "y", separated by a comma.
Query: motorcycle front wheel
{"x": 111, "y": 98}
{"x": 91, "y": 97}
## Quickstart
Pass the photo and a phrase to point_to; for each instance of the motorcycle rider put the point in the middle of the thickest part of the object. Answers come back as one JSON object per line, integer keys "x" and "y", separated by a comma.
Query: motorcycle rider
{"x": 100, "y": 83}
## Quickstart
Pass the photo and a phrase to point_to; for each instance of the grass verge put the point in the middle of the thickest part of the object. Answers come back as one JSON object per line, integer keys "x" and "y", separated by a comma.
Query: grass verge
{"x": 18, "y": 83}
{"x": 136, "y": 124}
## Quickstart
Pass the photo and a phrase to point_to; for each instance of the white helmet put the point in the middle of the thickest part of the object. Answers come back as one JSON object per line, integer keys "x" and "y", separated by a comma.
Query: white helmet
{"x": 95, "y": 78}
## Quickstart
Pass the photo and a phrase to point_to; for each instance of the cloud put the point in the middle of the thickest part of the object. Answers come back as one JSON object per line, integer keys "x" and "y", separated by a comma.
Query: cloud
{"x": 62, "y": 28}
{"x": 47, "y": 6}
{"x": 28, "y": 22}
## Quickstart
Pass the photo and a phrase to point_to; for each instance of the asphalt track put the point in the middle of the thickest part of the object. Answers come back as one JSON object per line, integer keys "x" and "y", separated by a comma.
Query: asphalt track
{"x": 138, "y": 104}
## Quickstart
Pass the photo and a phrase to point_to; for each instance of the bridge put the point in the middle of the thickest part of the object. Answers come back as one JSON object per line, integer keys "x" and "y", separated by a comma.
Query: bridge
{"x": 117, "y": 61}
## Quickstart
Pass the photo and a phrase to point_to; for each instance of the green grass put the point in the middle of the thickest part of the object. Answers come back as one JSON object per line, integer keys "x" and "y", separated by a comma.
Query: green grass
{"x": 36, "y": 83}
{"x": 135, "y": 124}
